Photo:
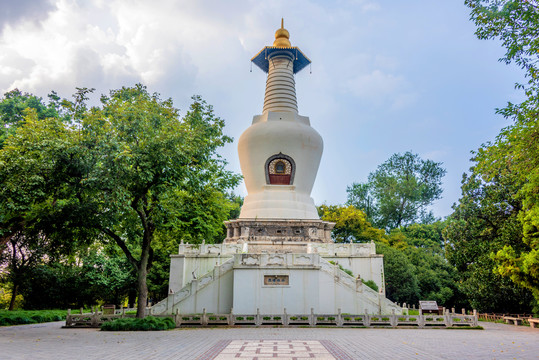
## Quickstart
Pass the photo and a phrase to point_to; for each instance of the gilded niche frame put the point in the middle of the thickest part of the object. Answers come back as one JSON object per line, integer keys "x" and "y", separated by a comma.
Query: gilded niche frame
{"x": 276, "y": 157}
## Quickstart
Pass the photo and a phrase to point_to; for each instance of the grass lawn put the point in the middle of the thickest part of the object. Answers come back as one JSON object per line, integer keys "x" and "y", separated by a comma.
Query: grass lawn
{"x": 18, "y": 317}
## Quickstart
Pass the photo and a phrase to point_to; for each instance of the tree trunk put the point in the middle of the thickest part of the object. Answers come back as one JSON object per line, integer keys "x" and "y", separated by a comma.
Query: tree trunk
{"x": 13, "y": 296}
{"x": 142, "y": 274}
{"x": 142, "y": 290}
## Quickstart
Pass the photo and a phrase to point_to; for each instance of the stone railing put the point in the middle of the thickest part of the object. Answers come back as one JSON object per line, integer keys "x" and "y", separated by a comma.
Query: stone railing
{"x": 192, "y": 287}
{"x": 95, "y": 318}
{"x": 338, "y": 320}
{"x": 324, "y": 249}
{"x": 216, "y": 249}
{"x": 339, "y": 249}
{"x": 375, "y": 298}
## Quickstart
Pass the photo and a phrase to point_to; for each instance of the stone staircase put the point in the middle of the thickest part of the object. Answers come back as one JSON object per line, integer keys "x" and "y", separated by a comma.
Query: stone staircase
{"x": 214, "y": 290}
{"x": 368, "y": 295}
{"x": 174, "y": 301}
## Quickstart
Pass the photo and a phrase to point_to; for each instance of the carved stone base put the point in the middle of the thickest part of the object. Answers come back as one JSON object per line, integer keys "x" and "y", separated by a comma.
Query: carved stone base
{"x": 278, "y": 231}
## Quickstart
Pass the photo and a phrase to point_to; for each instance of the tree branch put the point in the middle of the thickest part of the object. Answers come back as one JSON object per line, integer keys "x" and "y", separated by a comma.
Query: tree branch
{"x": 122, "y": 245}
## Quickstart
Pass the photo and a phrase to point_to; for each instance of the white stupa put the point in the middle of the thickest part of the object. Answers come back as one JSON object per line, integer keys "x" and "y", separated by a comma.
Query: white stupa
{"x": 278, "y": 256}
{"x": 280, "y": 152}
{"x": 279, "y": 156}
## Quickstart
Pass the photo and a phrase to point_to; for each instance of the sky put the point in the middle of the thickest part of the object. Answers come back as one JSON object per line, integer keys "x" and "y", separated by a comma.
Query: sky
{"x": 387, "y": 76}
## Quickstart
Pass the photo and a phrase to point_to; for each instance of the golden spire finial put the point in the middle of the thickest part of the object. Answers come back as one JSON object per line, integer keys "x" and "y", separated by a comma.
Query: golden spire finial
{"x": 282, "y": 37}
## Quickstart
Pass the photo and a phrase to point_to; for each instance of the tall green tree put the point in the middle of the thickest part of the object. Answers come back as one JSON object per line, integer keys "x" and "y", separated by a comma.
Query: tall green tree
{"x": 399, "y": 191}
{"x": 399, "y": 275}
{"x": 116, "y": 168}
{"x": 30, "y": 185}
{"x": 515, "y": 153}
{"x": 484, "y": 221}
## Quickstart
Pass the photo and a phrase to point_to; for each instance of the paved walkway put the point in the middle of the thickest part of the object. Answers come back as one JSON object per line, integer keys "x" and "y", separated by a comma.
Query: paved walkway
{"x": 49, "y": 341}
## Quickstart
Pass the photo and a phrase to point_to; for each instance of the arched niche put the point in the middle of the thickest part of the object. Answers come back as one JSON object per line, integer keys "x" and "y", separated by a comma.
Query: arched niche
{"x": 280, "y": 170}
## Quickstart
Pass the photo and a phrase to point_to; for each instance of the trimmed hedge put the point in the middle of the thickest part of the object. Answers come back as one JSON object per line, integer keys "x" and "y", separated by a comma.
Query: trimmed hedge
{"x": 19, "y": 317}
{"x": 149, "y": 323}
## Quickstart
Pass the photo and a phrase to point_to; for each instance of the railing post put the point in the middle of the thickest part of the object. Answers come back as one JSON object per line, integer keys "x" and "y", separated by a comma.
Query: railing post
{"x": 95, "y": 318}
{"x": 339, "y": 321}
{"x": 231, "y": 317}
{"x": 258, "y": 321}
{"x": 393, "y": 318}
{"x": 177, "y": 318}
{"x": 68, "y": 318}
{"x": 312, "y": 318}
{"x": 366, "y": 319}
{"x": 285, "y": 318}
{"x": 447, "y": 318}
{"x": 204, "y": 319}
{"x": 475, "y": 318}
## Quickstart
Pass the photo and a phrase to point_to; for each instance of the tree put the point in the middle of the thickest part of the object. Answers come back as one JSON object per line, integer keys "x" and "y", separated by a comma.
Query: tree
{"x": 117, "y": 167}
{"x": 20, "y": 257}
{"x": 484, "y": 221}
{"x": 428, "y": 237}
{"x": 13, "y": 108}
{"x": 351, "y": 224}
{"x": 29, "y": 186}
{"x": 515, "y": 153}
{"x": 399, "y": 191}
{"x": 399, "y": 275}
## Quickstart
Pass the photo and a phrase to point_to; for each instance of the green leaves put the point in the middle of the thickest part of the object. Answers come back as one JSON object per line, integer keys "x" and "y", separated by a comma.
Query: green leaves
{"x": 510, "y": 165}
{"x": 123, "y": 171}
{"x": 351, "y": 224}
{"x": 399, "y": 191}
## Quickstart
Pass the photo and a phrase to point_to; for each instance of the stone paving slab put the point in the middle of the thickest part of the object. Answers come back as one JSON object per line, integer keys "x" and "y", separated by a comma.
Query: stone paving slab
{"x": 50, "y": 341}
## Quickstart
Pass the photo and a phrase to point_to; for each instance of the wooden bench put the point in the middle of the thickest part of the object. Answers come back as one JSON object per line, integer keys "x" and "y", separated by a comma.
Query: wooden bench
{"x": 511, "y": 319}
{"x": 533, "y": 322}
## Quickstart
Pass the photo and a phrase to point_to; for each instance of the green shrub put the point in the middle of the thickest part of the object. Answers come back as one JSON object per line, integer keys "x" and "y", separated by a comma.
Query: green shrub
{"x": 149, "y": 323}
{"x": 371, "y": 284}
{"x": 349, "y": 272}
{"x": 19, "y": 317}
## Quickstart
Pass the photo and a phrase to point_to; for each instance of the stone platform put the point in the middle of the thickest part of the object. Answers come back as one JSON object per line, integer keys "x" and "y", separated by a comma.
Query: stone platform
{"x": 278, "y": 231}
